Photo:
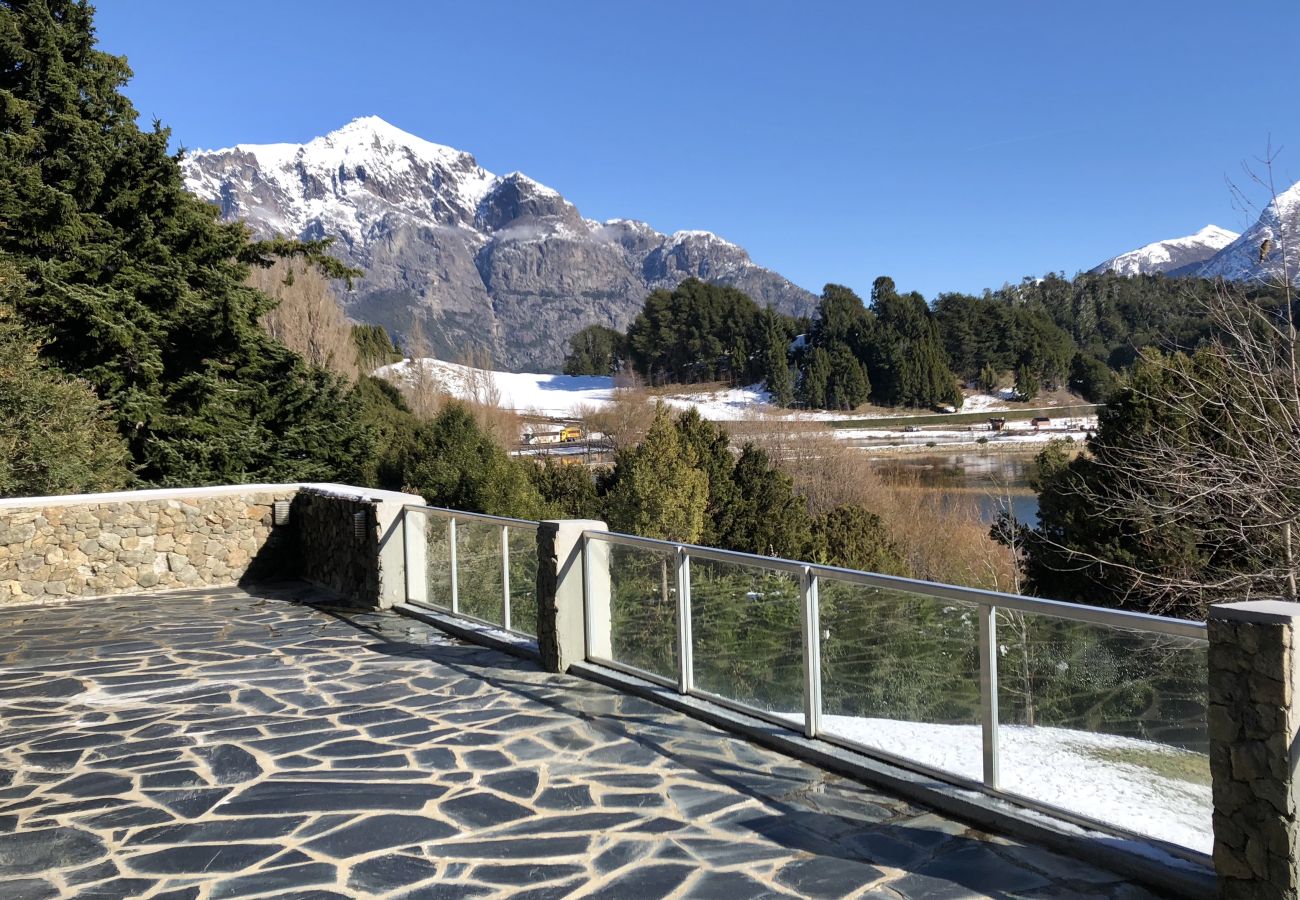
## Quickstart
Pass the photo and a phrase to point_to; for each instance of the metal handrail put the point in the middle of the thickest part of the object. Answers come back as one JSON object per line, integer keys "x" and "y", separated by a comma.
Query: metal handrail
{"x": 1077, "y": 612}
{"x": 472, "y": 517}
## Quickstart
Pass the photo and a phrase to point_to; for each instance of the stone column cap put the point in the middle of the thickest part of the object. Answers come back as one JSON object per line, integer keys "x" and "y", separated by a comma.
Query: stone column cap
{"x": 1258, "y": 612}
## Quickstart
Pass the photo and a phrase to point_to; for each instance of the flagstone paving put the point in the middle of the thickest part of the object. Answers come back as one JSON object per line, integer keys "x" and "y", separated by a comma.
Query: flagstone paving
{"x": 220, "y": 743}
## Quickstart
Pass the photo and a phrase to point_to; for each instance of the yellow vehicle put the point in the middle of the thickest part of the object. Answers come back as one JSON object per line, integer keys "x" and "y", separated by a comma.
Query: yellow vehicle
{"x": 570, "y": 433}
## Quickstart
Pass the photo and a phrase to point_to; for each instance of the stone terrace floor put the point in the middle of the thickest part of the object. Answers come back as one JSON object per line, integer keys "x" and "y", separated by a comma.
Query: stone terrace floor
{"x": 228, "y": 744}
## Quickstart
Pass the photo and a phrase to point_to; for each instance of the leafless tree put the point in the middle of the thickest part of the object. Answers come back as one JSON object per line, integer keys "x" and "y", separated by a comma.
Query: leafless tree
{"x": 1222, "y": 455}
{"x": 308, "y": 318}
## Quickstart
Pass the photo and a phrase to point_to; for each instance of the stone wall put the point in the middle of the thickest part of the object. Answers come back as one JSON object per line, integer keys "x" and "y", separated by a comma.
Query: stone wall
{"x": 57, "y": 548}
{"x": 334, "y": 553}
{"x": 1254, "y": 749}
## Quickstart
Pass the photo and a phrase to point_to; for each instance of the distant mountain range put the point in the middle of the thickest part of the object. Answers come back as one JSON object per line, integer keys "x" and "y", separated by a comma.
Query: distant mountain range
{"x": 1215, "y": 252}
{"x": 501, "y": 264}
{"x": 1175, "y": 253}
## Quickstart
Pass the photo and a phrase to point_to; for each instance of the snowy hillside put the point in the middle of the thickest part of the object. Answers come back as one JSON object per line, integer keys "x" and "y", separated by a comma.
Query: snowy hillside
{"x": 1164, "y": 256}
{"x": 568, "y": 396}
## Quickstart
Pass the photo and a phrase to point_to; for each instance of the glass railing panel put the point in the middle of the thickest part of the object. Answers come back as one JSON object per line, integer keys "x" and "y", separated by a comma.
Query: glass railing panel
{"x": 642, "y": 629}
{"x": 478, "y": 570}
{"x": 1106, "y": 722}
{"x": 523, "y": 579}
{"x": 437, "y": 557}
{"x": 900, "y": 673}
{"x": 747, "y": 635}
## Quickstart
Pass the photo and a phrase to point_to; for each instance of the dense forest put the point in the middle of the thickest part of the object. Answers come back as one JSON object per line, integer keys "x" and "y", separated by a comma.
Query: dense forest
{"x": 898, "y": 350}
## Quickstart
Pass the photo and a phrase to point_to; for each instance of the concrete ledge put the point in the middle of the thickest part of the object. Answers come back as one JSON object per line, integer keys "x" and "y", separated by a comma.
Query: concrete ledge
{"x": 475, "y": 633}
{"x": 146, "y": 495}
{"x": 1257, "y": 612}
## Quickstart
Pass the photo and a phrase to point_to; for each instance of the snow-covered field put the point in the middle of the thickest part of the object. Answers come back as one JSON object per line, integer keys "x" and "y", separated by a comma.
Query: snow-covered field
{"x": 569, "y": 396}
{"x": 1078, "y": 771}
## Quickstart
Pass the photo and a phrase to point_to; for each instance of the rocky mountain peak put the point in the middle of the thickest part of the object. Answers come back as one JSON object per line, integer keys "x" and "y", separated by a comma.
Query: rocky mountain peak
{"x": 497, "y": 263}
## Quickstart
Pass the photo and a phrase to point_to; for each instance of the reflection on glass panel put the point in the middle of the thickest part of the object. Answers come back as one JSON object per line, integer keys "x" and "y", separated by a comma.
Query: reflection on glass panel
{"x": 438, "y": 560}
{"x": 1106, "y": 722}
{"x": 523, "y": 579}
{"x": 747, "y": 635}
{"x": 478, "y": 571}
{"x": 643, "y": 614}
{"x": 900, "y": 673}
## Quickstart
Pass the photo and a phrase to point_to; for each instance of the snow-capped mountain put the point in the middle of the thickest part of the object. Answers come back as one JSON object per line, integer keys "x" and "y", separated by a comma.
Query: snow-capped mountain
{"x": 500, "y": 263}
{"x": 1175, "y": 253}
{"x": 1279, "y": 225}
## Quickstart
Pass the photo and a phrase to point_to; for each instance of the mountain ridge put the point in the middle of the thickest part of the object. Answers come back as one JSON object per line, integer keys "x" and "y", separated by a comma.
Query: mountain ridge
{"x": 1169, "y": 254}
{"x": 502, "y": 264}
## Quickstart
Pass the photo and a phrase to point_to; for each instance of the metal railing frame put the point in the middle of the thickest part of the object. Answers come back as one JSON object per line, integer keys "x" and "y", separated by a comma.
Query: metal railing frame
{"x": 452, "y": 517}
{"x": 810, "y": 577}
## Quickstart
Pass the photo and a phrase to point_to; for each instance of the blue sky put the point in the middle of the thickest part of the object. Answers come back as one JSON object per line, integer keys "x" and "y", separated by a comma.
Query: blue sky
{"x": 951, "y": 145}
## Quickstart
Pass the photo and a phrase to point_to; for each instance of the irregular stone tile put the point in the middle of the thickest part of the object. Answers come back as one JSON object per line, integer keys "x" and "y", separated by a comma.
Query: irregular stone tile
{"x": 255, "y": 828}
{"x": 379, "y": 832}
{"x": 645, "y": 883}
{"x": 573, "y": 797}
{"x": 386, "y": 873}
{"x": 521, "y": 783}
{"x": 200, "y": 858}
{"x": 734, "y": 885}
{"x": 271, "y": 797}
{"x": 189, "y": 803}
{"x": 42, "y": 850}
{"x": 523, "y": 875}
{"x": 512, "y": 848}
{"x": 974, "y": 867}
{"x": 826, "y": 876}
{"x": 483, "y": 810}
{"x": 35, "y": 889}
{"x": 260, "y": 884}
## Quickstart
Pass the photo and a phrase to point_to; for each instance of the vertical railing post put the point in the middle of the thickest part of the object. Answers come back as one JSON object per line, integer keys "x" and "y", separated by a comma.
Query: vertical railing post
{"x": 455, "y": 587}
{"x": 505, "y": 577}
{"x": 988, "y": 649}
{"x": 588, "y": 629}
{"x": 406, "y": 558}
{"x": 812, "y": 654}
{"x": 685, "y": 654}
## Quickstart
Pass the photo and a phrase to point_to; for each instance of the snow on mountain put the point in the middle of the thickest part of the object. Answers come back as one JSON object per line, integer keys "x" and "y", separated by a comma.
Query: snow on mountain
{"x": 1175, "y": 253}
{"x": 502, "y": 264}
{"x": 1279, "y": 225}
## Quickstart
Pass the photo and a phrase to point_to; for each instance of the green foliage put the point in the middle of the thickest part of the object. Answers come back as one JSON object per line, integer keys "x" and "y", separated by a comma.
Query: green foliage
{"x": 454, "y": 463}
{"x": 567, "y": 489}
{"x": 1026, "y": 382}
{"x": 696, "y": 332}
{"x": 1091, "y": 379}
{"x": 766, "y": 517}
{"x": 659, "y": 491}
{"x": 709, "y": 448}
{"x": 57, "y": 436}
{"x": 906, "y": 360}
{"x": 137, "y": 287}
{"x": 375, "y": 347}
{"x": 853, "y": 538}
{"x": 596, "y": 350}
{"x": 775, "y": 358}
{"x": 990, "y": 379}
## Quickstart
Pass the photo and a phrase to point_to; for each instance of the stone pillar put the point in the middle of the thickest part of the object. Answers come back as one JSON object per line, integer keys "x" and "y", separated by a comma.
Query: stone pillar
{"x": 561, "y": 620}
{"x": 1254, "y": 750}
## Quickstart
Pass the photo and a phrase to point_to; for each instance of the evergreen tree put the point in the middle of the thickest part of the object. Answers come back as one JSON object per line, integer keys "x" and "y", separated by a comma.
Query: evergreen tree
{"x": 776, "y": 360}
{"x": 853, "y": 538}
{"x": 1026, "y": 382}
{"x": 990, "y": 379}
{"x": 57, "y": 437}
{"x": 595, "y": 350}
{"x": 707, "y": 447}
{"x": 567, "y": 489}
{"x": 658, "y": 492}
{"x": 905, "y": 360}
{"x": 767, "y": 517}
{"x": 136, "y": 285}
{"x": 452, "y": 462}
{"x": 816, "y": 380}
{"x": 696, "y": 332}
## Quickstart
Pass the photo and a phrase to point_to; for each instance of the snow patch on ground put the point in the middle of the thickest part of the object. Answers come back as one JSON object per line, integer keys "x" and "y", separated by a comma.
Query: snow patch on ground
{"x": 1069, "y": 769}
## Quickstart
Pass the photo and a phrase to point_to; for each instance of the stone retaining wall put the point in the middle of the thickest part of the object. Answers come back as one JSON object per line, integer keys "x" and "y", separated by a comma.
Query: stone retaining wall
{"x": 57, "y": 548}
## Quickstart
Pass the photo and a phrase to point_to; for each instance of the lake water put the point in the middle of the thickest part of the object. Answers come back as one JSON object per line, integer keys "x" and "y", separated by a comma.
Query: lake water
{"x": 987, "y": 478}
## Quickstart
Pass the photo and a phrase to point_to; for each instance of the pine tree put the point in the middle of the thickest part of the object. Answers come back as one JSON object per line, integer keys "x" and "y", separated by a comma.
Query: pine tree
{"x": 657, "y": 491}
{"x": 767, "y": 517}
{"x": 138, "y": 287}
